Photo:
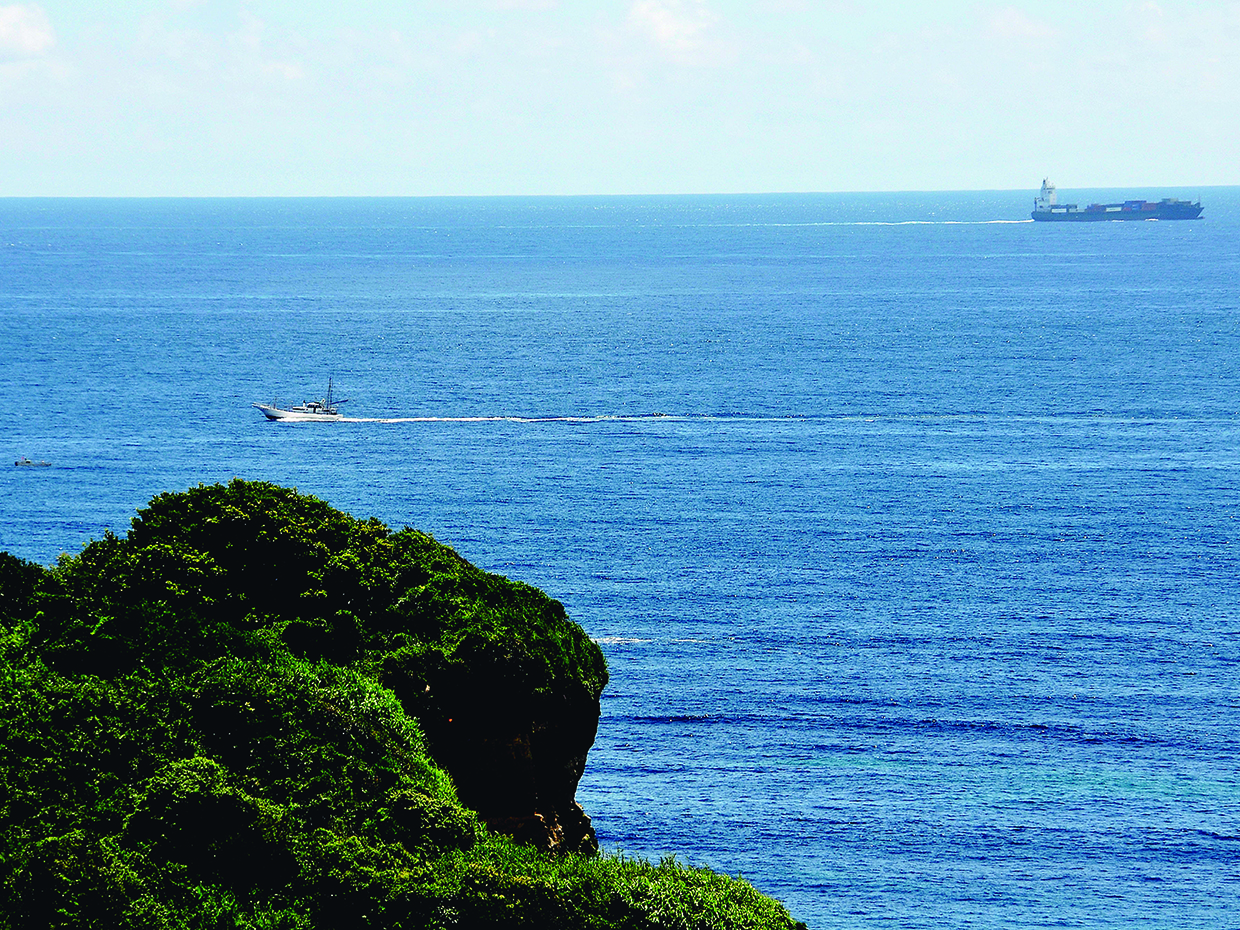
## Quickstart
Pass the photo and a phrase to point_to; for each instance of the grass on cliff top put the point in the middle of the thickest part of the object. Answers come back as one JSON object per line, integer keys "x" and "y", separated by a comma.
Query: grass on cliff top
{"x": 196, "y": 735}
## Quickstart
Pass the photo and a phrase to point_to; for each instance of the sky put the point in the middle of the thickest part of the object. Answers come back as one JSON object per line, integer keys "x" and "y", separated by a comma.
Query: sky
{"x": 526, "y": 97}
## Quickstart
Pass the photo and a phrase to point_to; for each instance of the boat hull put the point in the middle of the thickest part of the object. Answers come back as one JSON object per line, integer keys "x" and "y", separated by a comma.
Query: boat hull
{"x": 278, "y": 413}
{"x": 1138, "y": 210}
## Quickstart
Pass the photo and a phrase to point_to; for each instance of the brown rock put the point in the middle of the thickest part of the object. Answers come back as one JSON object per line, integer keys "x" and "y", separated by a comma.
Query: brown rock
{"x": 516, "y": 758}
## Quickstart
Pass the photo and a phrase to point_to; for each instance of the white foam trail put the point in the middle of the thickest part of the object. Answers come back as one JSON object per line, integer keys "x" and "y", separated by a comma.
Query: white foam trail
{"x": 601, "y": 418}
{"x": 930, "y": 222}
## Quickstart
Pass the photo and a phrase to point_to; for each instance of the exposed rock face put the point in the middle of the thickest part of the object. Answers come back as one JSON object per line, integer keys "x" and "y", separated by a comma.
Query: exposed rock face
{"x": 516, "y": 759}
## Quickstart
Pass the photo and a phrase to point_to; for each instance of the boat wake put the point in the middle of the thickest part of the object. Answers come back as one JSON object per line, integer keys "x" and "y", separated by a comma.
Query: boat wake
{"x": 599, "y": 418}
{"x": 930, "y": 222}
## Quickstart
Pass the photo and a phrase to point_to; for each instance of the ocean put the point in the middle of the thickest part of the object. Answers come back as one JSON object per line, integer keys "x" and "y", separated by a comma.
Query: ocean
{"x": 908, "y": 526}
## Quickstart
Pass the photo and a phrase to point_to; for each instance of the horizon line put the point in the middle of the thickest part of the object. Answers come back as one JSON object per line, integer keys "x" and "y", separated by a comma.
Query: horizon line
{"x": 567, "y": 196}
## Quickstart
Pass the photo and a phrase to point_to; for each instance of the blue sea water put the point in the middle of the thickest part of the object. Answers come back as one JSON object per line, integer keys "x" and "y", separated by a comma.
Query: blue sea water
{"x": 908, "y": 526}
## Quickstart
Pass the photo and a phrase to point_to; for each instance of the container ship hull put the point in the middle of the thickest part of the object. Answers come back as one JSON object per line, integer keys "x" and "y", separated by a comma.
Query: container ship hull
{"x": 1046, "y": 208}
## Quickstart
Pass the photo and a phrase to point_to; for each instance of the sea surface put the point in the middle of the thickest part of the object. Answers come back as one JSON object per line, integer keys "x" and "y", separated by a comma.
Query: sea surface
{"x": 908, "y": 525}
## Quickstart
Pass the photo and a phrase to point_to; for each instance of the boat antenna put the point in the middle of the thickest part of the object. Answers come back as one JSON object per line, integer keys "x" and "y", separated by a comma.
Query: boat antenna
{"x": 330, "y": 403}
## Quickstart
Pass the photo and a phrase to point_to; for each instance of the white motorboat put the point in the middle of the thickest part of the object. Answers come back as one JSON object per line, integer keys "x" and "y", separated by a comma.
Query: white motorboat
{"x": 325, "y": 408}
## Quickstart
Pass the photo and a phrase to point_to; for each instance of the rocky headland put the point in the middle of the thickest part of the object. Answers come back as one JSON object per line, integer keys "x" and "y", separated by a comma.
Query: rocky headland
{"x": 255, "y": 710}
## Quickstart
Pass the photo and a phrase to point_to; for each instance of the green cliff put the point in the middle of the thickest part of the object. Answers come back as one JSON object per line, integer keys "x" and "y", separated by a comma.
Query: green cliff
{"x": 257, "y": 711}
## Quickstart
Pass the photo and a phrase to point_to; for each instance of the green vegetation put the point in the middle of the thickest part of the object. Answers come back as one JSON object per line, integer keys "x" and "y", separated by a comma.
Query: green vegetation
{"x": 243, "y": 714}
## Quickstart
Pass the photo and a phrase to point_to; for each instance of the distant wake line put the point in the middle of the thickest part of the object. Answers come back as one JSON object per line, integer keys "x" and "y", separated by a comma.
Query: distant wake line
{"x": 1027, "y": 219}
{"x": 772, "y": 225}
{"x": 931, "y": 222}
{"x": 857, "y": 416}
{"x": 574, "y": 418}
{"x": 600, "y": 418}
{"x": 805, "y": 225}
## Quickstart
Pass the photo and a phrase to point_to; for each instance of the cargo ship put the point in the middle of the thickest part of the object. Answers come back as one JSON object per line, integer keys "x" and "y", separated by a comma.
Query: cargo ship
{"x": 1047, "y": 207}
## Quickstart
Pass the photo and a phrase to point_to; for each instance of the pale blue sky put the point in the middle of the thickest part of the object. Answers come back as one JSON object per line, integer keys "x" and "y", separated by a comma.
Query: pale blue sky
{"x": 302, "y": 97}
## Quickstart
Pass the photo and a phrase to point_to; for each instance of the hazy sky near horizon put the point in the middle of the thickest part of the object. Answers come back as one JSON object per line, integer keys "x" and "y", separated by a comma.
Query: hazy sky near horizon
{"x": 452, "y": 97}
